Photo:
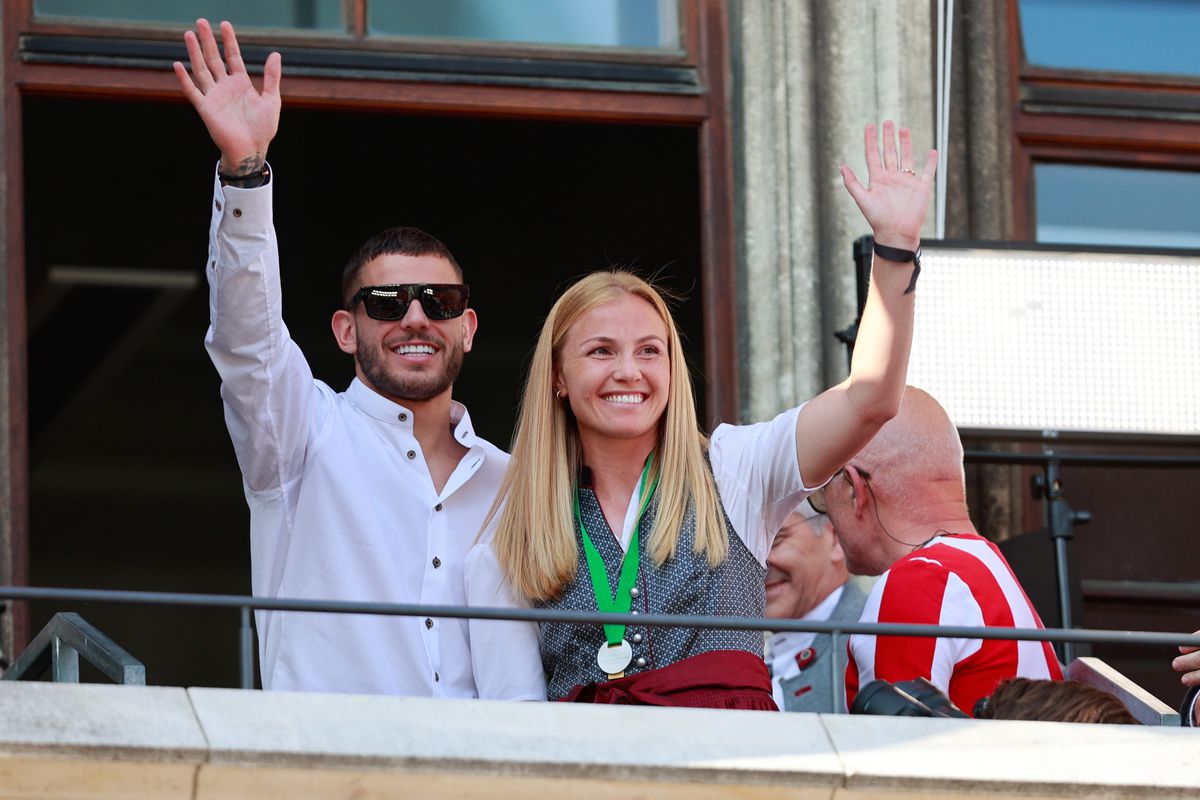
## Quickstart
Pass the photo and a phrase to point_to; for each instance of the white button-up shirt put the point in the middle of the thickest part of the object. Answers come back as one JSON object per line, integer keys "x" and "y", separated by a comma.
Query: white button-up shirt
{"x": 342, "y": 506}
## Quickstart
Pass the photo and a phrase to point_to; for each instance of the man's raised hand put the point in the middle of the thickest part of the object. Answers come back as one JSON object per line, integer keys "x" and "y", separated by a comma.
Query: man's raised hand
{"x": 241, "y": 120}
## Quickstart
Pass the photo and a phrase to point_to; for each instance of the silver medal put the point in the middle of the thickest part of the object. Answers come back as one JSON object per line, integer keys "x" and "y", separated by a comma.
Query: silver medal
{"x": 613, "y": 659}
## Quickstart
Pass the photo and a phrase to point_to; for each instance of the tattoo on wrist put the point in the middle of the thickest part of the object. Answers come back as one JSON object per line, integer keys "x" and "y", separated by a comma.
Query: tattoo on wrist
{"x": 249, "y": 165}
{"x": 248, "y": 176}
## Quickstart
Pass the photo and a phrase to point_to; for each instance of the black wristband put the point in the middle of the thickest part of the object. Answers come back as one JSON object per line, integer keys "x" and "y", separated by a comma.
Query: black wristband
{"x": 903, "y": 257}
{"x": 253, "y": 180}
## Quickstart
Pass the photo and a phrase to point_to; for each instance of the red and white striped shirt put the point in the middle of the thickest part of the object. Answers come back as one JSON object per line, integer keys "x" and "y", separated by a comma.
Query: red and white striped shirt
{"x": 956, "y": 579}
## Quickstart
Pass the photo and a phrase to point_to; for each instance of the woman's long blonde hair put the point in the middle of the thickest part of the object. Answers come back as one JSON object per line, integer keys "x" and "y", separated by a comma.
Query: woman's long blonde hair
{"x": 535, "y": 537}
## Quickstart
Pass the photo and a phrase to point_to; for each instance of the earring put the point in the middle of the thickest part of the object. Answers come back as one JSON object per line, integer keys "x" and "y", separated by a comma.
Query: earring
{"x": 559, "y": 394}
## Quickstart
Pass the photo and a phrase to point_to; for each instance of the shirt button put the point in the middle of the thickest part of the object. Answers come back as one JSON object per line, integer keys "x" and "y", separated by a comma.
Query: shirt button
{"x": 218, "y": 202}
{"x": 437, "y": 562}
{"x": 637, "y": 638}
{"x": 237, "y": 212}
{"x": 641, "y": 662}
{"x": 436, "y": 677}
{"x": 438, "y": 507}
{"x": 634, "y": 592}
{"x": 403, "y": 417}
{"x": 411, "y": 454}
{"x": 428, "y": 622}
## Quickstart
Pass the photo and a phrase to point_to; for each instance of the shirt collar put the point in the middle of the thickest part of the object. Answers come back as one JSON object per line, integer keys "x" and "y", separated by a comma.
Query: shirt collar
{"x": 788, "y": 643}
{"x": 392, "y": 413}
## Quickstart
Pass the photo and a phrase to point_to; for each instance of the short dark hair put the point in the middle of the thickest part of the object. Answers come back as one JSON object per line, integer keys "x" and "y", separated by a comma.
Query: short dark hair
{"x": 403, "y": 241}
{"x": 1054, "y": 701}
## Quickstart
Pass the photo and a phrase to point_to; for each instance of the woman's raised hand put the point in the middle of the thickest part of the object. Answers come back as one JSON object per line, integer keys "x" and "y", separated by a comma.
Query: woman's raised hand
{"x": 896, "y": 197}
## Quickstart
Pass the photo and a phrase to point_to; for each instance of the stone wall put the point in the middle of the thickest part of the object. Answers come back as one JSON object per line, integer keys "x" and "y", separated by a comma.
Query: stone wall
{"x": 89, "y": 741}
{"x": 807, "y": 76}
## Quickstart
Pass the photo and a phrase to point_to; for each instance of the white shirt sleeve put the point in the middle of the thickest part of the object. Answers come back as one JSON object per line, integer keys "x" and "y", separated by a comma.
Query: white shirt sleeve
{"x": 505, "y": 656}
{"x": 266, "y": 384}
{"x": 758, "y": 477}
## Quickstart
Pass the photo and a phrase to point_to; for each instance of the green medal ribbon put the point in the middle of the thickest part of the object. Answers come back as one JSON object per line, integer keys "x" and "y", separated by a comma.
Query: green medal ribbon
{"x": 629, "y": 567}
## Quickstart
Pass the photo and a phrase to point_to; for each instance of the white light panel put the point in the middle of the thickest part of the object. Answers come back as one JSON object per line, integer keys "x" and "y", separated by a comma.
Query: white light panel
{"x": 1060, "y": 342}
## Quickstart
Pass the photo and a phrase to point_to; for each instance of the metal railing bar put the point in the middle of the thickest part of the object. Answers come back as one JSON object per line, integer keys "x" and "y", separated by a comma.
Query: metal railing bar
{"x": 34, "y": 660}
{"x": 64, "y": 660}
{"x": 839, "y": 670}
{"x": 1081, "y": 459}
{"x": 246, "y": 651}
{"x": 1145, "y": 591}
{"x": 66, "y": 637}
{"x": 594, "y": 617}
{"x": 98, "y": 649}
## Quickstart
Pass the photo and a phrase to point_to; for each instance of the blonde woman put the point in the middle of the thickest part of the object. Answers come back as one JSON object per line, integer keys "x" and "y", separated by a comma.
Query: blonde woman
{"x": 615, "y": 500}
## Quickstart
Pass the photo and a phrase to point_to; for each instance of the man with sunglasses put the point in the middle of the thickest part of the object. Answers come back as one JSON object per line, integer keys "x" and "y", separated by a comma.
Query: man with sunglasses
{"x": 900, "y": 509}
{"x": 375, "y": 493}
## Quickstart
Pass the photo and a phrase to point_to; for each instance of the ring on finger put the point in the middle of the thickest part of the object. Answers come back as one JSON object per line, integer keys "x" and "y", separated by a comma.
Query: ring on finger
{"x": 912, "y": 172}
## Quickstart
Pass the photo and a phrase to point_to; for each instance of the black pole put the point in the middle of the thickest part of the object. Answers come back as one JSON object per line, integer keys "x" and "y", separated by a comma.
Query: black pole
{"x": 1060, "y": 521}
{"x": 863, "y": 247}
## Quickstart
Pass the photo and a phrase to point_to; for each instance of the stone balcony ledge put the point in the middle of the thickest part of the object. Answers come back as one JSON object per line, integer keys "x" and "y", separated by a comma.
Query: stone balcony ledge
{"x": 101, "y": 741}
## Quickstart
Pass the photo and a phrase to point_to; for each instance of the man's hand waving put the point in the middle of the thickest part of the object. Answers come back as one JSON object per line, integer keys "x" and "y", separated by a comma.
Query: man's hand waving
{"x": 241, "y": 120}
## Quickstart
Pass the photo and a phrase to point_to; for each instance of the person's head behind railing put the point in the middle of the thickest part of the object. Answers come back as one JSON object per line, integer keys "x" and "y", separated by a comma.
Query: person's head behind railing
{"x": 1053, "y": 701}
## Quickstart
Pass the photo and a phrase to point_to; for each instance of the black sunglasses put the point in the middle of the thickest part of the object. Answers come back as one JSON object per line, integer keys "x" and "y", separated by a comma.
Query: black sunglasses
{"x": 817, "y": 499}
{"x": 390, "y": 302}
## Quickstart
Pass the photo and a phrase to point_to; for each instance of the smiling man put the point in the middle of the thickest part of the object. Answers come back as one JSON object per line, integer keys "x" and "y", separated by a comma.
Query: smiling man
{"x": 807, "y": 579}
{"x": 375, "y": 493}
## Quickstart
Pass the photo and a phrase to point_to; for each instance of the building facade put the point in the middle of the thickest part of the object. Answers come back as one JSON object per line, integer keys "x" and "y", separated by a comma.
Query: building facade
{"x": 698, "y": 140}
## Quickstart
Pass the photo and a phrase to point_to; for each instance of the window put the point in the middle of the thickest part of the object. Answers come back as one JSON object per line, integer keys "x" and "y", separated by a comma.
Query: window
{"x": 1106, "y": 139}
{"x": 598, "y": 23}
{"x": 1085, "y": 204}
{"x": 325, "y": 15}
{"x": 641, "y": 24}
{"x": 1140, "y": 36}
{"x": 1106, "y": 120}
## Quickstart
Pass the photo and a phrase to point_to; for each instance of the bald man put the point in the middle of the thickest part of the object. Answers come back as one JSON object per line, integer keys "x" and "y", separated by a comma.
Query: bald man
{"x": 807, "y": 579}
{"x": 900, "y": 509}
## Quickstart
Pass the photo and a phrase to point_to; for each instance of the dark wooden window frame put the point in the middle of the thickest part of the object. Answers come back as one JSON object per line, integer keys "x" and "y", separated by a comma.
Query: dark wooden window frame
{"x": 1098, "y": 118}
{"x": 1095, "y": 118}
{"x": 685, "y": 87}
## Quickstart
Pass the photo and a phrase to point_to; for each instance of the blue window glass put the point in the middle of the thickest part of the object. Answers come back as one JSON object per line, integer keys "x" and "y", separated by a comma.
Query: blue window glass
{"x": 1117, "y": 206}
{"x": 598, "y": 23}
{"x": 325, "y": 15}
{"x": 1146, "y": 36}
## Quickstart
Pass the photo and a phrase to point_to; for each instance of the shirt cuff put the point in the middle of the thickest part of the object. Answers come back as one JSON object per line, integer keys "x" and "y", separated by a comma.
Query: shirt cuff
{"x": 241, "y": 210}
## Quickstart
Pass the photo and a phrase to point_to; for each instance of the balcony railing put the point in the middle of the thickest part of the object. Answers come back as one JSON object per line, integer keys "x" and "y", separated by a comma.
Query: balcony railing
{"x": 837, "y": 630}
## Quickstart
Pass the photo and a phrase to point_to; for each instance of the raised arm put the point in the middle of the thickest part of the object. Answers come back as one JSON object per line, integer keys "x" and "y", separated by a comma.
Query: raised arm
{"x": 840, "y": 421}
{"x": 241, "y": 120}
{"x": 268, "y": 388}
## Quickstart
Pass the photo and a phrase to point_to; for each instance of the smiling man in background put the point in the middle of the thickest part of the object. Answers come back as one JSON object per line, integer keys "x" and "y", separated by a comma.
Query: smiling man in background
{"x": 807, "y": 579}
